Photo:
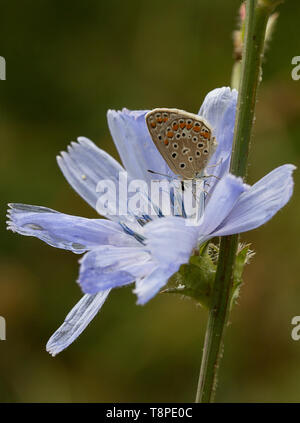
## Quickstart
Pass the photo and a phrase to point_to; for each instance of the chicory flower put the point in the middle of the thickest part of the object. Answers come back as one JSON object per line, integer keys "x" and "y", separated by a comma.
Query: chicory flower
{"x": 145, "y": 249}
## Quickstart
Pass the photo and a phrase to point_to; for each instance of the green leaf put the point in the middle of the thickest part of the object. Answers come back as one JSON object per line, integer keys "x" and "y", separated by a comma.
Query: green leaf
{"x": 195, "y": 279}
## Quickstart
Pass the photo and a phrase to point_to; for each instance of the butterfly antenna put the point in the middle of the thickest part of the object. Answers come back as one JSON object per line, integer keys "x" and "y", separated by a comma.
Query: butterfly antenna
{"x": 158, "y": 173}
{"x": 171, "y": 178}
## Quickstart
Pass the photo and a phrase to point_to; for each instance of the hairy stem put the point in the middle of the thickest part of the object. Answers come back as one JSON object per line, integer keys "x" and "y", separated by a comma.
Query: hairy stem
{"x": 257, "y": 14}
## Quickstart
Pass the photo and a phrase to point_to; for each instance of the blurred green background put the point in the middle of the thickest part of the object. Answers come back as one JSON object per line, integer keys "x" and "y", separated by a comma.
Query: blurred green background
{"x": 67, "y": 63}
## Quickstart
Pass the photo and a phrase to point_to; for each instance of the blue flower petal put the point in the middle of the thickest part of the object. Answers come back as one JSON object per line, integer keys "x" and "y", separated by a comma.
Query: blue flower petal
{"x": 219, "y": 109}
{"x": 146, "y": 288}
{"x": 64, "y": 231}
{"x": 108, "y": 267}
{"x": 220, "y": 203}
{"x": 84, "y": 165}
{"x": 135, "y": 146}
{"x": 76, "y": 321}
{"x": 170, "y": 240}
{"x": 259, "y": 204}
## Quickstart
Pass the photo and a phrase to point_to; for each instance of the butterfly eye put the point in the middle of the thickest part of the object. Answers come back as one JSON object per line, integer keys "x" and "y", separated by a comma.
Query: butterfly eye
{"x": 205, "y": 151}
{"x": 182, "y": 165}
{"x": 178, "y": 136}
{"x": 195, "y": 139}
{"x": 175, "y": 145}
{"x": 159, "y": 137}
{"x": 200, "y": 145}
{"x": 190, "y": 159}
{"x": 183, "y": 134}
{"x": 197, "y": 124}
{"x": 185, "y": 150}
{"x": 181, "y": 121}
{"x": 189, "y": 122}
{"x": 198, "y": 154}
{"x": 174, "y": 155}
{"x": 165, "y": 115}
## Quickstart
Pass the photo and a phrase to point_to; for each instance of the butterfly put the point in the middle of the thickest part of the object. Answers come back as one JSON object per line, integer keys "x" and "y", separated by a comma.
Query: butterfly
{"x": 183, "y": 139}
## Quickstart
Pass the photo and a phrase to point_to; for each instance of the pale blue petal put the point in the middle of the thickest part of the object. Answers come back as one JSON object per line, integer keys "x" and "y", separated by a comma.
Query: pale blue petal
{"x": 135, "y": 146}
{"x": 109, "y": 267}
{"x": 220, "y": 203}
{"x": 259, "y": 204}
{"x": 219, "y": 109}
{"x": 76, "y": 321}
{"x": 146, "y": 288}
{"x": 64, "y": 231}
{"x": 84, "y": 165}
{"x": 170, "y": 240}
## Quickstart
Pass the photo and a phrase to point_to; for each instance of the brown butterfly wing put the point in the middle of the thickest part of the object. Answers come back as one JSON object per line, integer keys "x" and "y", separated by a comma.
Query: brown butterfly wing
{"x": 183, "y": 139}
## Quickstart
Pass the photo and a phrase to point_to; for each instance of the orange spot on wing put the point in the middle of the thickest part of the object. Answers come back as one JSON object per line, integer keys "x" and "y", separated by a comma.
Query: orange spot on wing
{"x": 170, "y": 134}
{"x": 153, "y": 124}
{"x": 189, "y": 126}
{"x": 165, "y": 119}
{"x": 166, "y": 142}
{"x": 159, "y": 120}
{"x": 182, "y": 125}
{"x": 197, "y": 128}
{"x": 204, "y": 134}
{"x": 175, "y": 126}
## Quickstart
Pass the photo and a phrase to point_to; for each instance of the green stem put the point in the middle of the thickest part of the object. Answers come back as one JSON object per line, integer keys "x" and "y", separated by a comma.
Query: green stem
{"x": 257, "y": 14}
{"x": 236, "y": 75}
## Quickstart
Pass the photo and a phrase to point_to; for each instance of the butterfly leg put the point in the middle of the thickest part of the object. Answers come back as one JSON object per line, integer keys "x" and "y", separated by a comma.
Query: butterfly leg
{"x": 212, "y": 176}
{"x": 215, "y": 165}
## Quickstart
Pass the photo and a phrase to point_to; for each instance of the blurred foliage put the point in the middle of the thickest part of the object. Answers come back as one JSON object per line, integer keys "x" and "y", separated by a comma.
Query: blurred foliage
{"x": 67, "y": 63}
